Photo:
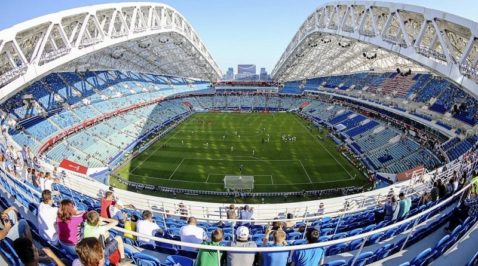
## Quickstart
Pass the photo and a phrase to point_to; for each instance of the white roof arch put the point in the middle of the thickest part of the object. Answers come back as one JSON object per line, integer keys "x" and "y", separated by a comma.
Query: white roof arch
{"x": 139, "y": 36}
{"x": 351, "y": 36}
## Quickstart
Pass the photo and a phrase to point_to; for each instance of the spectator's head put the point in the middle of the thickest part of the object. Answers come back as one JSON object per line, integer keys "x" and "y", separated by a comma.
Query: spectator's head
{"x": 247, "y": 208}
{"x": 231, "y": 207}
{"x": 47, "y": 175}
{"x": 279, "y": 236}
{"x": 26, "y": 251}
{"x": 276, "y": 224}
{"x": 312, "y": 236}
{"x": 401, "y": 195}
{"x": 192, "y": 221}
{"x": 109, "y": 195}
{"x": 290, "y": 216}
{"x": 134, "y": 218}
{"x": 147, "y": 215}
{"x": 46, "y": 196}
{"x": 242, "y": 233}
{"x": 67, "y": 209}
{"x": 111, "y": 188}
{"x": 93, "y": 218}
{"x": 90, "y": 252}
{"x": 217, "y": 235}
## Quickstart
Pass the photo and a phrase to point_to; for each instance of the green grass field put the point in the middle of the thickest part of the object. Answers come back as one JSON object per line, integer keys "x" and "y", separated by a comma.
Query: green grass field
{"x": 207, "y": 146}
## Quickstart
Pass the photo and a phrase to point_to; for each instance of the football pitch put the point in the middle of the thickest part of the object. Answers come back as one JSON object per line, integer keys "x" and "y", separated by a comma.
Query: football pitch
{"x": 281, "y": 150}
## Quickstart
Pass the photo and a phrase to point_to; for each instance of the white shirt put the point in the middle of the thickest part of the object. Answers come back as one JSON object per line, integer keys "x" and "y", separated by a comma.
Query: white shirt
{"x": 47, "y": 221}
{"x": 147, "y": 228}
{"x": 46, "y": 184}
{"x": 192, "y": 234}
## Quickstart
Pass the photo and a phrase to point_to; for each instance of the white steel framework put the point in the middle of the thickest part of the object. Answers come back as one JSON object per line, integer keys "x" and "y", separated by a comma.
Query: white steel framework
{"x": 345, "y": 37}
{"x": 145, "y": 37}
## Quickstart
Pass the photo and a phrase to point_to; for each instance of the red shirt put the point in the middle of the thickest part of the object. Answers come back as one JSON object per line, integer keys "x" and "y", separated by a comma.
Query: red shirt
{"x": 105, "y": 206}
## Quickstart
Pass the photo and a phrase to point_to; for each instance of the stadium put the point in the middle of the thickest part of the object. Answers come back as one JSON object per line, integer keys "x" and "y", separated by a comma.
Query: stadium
{"x": 122, "y": 143}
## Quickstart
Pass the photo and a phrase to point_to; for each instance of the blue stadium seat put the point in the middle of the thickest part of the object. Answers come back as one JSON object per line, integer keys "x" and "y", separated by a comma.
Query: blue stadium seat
{"x": 143, "y": 259}
{"x": 336, "y": 263}
{"x": 362, "y": 259}
{"x": 422, "y": 258}
{"x": 175, "y": 259}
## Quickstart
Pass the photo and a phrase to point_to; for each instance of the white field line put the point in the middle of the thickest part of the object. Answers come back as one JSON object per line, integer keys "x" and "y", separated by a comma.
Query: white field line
{"x": 171, "y": 176}
{"x": 307, "y": 174}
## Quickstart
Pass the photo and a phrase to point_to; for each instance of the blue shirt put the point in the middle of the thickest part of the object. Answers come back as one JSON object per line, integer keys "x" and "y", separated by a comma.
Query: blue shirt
{"x": 308, "y": 257}
{"x": 275, "y": 258}
{"x": 405, "y": 205}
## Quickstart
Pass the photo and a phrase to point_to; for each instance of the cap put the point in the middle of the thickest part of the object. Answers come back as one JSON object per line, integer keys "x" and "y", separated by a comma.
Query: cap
{"x": 242, "y": 232}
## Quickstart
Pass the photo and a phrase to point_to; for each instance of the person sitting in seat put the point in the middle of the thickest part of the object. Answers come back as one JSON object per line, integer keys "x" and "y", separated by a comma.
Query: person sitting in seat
{"x": 96, "y": 226}
{"x": 191, "y": 233}
{"x": 311, "y": 256}
{"x": 274, "y": 258}
{"x": 90, "y": 253}
{"x": 29, "y": 255}
{"x": 110, "y": 208}
{"x": 242, "y": 240}
{"x": 209, "y": 257}
{"x": 147, "y": 226}
{"x": 69, "y": 222}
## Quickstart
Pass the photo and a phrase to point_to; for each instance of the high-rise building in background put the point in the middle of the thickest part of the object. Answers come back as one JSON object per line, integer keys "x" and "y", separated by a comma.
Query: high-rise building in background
{"x": 229, "y": 74}
{"x": 263, "y": 75}
{"x": 246, "y": 72}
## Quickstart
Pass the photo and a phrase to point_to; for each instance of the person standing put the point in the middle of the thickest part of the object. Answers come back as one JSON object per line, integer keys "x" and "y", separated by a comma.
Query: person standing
{"x": 311, "y": 256}
{"x": 274, "y": 258}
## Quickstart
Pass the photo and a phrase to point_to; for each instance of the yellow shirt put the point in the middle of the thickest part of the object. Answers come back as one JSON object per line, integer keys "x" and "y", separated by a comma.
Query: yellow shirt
{"x": 129, "y": 225}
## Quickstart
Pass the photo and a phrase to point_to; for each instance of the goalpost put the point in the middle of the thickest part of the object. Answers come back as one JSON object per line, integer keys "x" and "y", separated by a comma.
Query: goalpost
{"x": 239, "y": 183}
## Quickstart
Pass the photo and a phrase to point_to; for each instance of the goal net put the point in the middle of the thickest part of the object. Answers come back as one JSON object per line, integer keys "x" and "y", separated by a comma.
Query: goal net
{"x": 235, "y": 183}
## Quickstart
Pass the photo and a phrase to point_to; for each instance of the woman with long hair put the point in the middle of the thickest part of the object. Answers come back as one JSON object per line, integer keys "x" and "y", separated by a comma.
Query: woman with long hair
{"x": 69, "y": 222}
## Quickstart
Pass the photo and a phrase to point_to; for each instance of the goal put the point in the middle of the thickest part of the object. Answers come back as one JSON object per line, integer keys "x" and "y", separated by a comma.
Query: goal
{"x": 239, "y": 183}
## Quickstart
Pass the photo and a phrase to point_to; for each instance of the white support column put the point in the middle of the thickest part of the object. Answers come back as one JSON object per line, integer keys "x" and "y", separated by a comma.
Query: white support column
{"x": 38, "y": 53}
{"x": 467, "y": 49}
{"x": 443, "y": 43}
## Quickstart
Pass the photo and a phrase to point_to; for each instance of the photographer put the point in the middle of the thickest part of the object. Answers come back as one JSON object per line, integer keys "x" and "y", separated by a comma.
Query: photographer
{"x": 13, "y": 227}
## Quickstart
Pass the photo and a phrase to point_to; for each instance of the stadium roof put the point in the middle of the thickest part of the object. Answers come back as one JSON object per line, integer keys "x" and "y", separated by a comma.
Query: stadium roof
{"x": 145, "y": 37}
{"x": 345, "y": 37}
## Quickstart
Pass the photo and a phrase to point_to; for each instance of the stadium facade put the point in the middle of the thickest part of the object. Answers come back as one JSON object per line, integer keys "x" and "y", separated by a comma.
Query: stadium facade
{"x": 411, "y": 68}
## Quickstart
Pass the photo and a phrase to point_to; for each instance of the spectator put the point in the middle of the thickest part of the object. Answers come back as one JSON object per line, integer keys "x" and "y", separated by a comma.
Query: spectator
{"x": 29, "y": 255}
{"x": 242, "y": 240}
{"x": 275, "y": 258}
{"x": 47, "y": 218}
{"x": 450, "y": 188}
{"x": 404, "y": 206}
{"x": 246, "y": 214}
{"x": 311, "y": 256}
{"x": 93, "y": 227}
{"x": 389, "y": 209}
{"x": 209, "y": 257}
{"x": 69, "y": 222}
{"x": 231, "y": 212}
{"x": 434, "y": 192}
{"x": 441, "y": 189}
{"x": 191, "y": 233}
{"x": 109, "y": 206}
{"x": 321, "y": 209}
{"x": 183, "y": 211}
{"x": 289, "y": 224}
{"x": 130, "y": 225}
{"x": 424, "y": 199}
{"x": 90, "y": 253}
{"x": 12, "y": 227}
{"x": 147, "y": 226}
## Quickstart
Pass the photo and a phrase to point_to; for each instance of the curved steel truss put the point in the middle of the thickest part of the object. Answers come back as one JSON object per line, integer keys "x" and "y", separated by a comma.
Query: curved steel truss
{"x": 344, "y": 37}
{"x": 146, "y": 37}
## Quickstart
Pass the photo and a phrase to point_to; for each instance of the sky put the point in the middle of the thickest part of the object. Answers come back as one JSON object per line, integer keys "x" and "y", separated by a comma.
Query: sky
{"x": 234, "y": 31}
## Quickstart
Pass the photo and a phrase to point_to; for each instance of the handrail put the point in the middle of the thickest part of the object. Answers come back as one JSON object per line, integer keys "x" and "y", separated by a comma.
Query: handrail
{"x": 297, "y": 247}
{"x": 377, "y": 198}
{"x": 285, "y": 248}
